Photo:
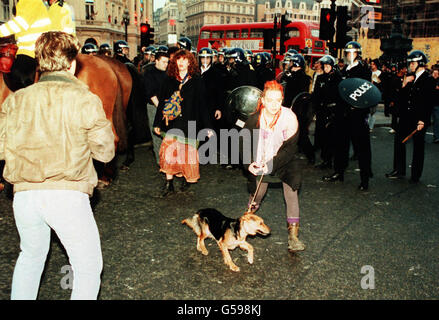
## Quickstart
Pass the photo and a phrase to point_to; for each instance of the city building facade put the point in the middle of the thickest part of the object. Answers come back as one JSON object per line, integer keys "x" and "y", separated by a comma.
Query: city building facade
{"x": 108, "y": 21}
{"x": 203, "y": 12}
{"x": 172, "y": 23}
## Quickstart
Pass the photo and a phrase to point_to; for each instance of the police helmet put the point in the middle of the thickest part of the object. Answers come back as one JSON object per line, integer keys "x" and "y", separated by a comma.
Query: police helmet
{"x": 298, "y": 60}
{"x": 353, "y": 46}
{"x": 105, "y": 47}
{"x": 236, "y": 53}
{"x": 419, "y": 57}
{"x": 185, "y": 43}
{"x": 267, "y": 56}
{"x": 248, "y": 54}
{"x": 260, "y": 59}
{"x": 205, "y": 52}
{"x": 222, "y": 51}
{"x": 327, "y": 60}
{"x": 162, "y": 49}
{"x": 214, "y": 53}
{"x": 89, "y": 48}
{"x": 149, "y": 50}
{"x": 292, "y": 51}
{"x": 119, "y": 45}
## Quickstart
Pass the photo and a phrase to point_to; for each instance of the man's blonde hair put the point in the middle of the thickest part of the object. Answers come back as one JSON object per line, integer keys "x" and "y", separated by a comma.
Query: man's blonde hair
{"x": 55, "y": 51}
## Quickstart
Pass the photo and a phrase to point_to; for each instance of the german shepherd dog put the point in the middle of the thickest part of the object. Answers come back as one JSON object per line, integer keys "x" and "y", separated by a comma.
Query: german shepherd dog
{"x": 228, "y": 233}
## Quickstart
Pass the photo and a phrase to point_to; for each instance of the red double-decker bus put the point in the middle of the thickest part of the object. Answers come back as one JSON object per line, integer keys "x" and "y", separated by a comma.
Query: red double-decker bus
{"x": 302, "y": 36}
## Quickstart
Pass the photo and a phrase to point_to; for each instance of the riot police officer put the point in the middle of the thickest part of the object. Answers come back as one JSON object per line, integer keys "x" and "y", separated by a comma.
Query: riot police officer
{"x": 212, "y": 81}
{"x": 296, "y": 79}
{"x": 90, "y": 49}
{"x": 325, "y": 97}
{"x": 105, "y": 49}
{"x": 298, "y": 82}
{"x": 351, "y": 124}
{"x": 249, "y": 55}
{"x": 184, "y": 43}
{"x": 239, "y": 71}
{"x": 121, "y": 50}
{"x": 414, "y": 113}
{"x": 262, "y": 69}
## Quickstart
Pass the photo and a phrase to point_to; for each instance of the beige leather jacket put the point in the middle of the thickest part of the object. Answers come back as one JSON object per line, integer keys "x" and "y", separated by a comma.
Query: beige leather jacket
{"x": 49, "y": 133}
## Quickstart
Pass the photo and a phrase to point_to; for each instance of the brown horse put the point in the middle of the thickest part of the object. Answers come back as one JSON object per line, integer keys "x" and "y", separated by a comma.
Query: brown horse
{"x": 111, "y": 81}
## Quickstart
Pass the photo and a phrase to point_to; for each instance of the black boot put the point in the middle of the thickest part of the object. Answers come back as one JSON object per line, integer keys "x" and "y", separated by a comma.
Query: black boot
{"x": 168, "y": 188}
{"x": 184, "y": 185}
{"x": 334, "y": 177}
{"x": 364, "y": 186}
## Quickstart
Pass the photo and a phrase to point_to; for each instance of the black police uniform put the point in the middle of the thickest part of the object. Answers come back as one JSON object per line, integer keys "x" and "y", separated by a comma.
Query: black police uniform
{"x": 326, "y": 98}
{"x": 298, "y": 82}
{"x": 351, "y": 126}
{"x": 122, "y": 58}
{"x": 416, "y": 102}
{"x": 263, "y": 74}
{"x": 240, "y": 74}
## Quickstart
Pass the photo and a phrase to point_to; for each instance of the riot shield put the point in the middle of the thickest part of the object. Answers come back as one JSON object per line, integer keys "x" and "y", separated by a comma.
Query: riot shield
{"x": 359, "y": 93}
{"x": 240, "y": 103}
{"x": 303, "y": 107}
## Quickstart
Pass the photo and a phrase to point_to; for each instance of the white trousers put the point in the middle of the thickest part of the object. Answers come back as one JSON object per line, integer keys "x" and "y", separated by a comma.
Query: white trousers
{"x": 69, "y": 214}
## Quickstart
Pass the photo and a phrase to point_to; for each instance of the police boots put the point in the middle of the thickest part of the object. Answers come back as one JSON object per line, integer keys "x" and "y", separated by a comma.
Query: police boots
{"x": 294, "y": 244}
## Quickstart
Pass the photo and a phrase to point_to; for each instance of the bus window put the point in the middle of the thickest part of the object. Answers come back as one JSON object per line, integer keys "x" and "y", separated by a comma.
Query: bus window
{"x": 257, "y": 33}
{"x": 293, "y": 32}
{"x": 318, "y": 44}
{"x": 217, "y": 34}
{"x": 244, "y": 33}
{"x": 232, "y": 34}
{"x": 315, "y": 33}
{"x": 205, "y": 34}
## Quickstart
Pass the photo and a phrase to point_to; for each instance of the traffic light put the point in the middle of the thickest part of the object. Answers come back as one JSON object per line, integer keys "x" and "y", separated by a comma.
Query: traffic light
{"x": 327, "y": 19}
{"x": 284, "y": 36}
{"x": 343, "y": 27}
{"x": 146, "y": 35}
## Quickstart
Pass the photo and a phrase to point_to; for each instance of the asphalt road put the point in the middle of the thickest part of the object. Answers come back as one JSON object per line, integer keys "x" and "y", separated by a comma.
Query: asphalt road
{"x": 380, "y": 244}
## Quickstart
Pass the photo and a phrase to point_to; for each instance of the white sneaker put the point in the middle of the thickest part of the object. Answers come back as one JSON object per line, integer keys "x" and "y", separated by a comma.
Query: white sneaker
{"x": 391, "y": 131}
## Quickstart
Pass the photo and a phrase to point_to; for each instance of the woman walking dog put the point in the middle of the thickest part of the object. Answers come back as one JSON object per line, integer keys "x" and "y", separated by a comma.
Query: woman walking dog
{"x": 276, "y": 156}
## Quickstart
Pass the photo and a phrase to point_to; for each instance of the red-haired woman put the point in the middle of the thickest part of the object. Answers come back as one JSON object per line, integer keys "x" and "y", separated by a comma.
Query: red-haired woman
{"x": 276, "y": 155}
{"x": 178, "y": 152}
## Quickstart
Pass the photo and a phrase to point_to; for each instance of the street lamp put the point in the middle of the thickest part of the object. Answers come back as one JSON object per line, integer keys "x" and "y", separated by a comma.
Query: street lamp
{"x": 126, "y": 22}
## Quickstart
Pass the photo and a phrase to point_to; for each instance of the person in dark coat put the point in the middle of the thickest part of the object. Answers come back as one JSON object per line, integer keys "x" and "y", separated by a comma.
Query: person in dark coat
{"x": 153, "y": 79}
{"x": 275, "y": 157}
{"x": 262, "y": 69}
{"x": 414, "y": 114}
{"x": 325, "y": 98}
{"x": 240, "y": 72}
{"x": 297, "y": 82}
{"x": 351, "y": 125}
{"x": 178, "y": 151}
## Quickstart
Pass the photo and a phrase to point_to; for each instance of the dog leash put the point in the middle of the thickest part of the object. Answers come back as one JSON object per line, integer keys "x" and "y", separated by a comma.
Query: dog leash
{"x": 256, "y": 193}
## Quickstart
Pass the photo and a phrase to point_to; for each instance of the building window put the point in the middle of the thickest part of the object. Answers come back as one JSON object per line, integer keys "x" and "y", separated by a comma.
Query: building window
{"x": 90, "y": 10}
{"x": 222, "y": 20}
{"x": 227, "y": 19}
{"x": 232, "y": 34}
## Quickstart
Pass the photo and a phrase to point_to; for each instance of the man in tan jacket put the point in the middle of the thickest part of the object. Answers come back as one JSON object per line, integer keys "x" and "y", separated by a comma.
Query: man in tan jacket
{"x": 49, "y": 133}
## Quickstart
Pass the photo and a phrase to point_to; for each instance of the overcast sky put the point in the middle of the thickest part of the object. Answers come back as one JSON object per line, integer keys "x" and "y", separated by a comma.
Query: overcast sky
{"x": 158, "y": 4}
